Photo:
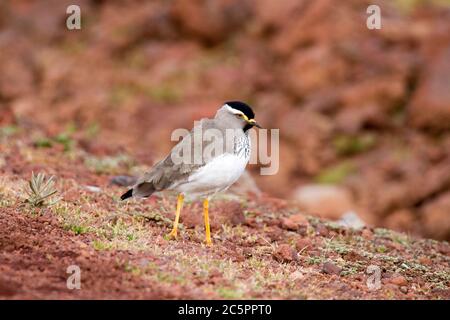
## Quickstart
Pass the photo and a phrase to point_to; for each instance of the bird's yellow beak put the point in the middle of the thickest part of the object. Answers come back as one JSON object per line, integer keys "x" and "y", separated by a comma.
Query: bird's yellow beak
{"x": 252, "y": 122}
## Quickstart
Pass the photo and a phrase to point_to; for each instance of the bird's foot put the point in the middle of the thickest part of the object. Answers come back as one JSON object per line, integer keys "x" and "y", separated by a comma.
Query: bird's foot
{"x": 172, "y": 235}
{"x": 208, "y": 241}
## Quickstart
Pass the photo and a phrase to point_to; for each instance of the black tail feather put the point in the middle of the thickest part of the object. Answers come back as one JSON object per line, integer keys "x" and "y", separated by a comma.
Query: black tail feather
{"x": 127, "y": 194}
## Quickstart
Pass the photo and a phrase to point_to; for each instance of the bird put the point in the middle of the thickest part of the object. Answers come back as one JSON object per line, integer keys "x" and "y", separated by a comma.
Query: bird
{"x": 200, "y": 166}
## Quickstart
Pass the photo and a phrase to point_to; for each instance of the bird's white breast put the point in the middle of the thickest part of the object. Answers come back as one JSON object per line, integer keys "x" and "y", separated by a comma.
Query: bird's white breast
{"x": 216, "y": 175}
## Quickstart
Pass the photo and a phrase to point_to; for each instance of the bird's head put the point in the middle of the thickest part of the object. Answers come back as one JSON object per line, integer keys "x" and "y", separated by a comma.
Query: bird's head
{"x": 236, "y": 114}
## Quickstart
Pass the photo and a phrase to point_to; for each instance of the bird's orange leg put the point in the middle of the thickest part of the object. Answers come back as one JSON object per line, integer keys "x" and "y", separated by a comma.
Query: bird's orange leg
{"x": 206, "y": 217}
{"x": 173, "y": 233}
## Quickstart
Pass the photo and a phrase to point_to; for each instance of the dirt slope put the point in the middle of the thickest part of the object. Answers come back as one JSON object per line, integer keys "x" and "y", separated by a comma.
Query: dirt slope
{"x": 263, "y": 247}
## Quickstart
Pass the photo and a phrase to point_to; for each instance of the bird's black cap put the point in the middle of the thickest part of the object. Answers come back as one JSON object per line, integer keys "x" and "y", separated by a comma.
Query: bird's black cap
{"x": 241, "y": 106}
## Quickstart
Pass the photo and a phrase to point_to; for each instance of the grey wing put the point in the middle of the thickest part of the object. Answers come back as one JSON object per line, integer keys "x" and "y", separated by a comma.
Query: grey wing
{"x": 185, "y": 158}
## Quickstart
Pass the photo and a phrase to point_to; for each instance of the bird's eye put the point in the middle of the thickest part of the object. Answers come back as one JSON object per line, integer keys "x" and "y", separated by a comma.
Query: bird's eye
{"x": 239, "y": 115}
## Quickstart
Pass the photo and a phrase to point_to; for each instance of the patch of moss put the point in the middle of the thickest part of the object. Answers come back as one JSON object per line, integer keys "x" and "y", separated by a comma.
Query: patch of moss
{"x": 120, "y": 94}
{"x": 77, "y": 229}
{"x": 100, "y": 245}
{"x": 347, "y": 145}
{"x": 7, "y": 131}
{"x": 410, "y": 5}
{"x": 227, "y": 293}
{"x": 92, "y": 130}
{"x": 335, "y": 174}
{"x": 164, "y": 93}
{"x": 43, "y": 142}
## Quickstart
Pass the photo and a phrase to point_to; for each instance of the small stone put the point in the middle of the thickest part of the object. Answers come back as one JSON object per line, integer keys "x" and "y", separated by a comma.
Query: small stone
{"x": 444, "y": 249}
{"x": 303, "y": 244}
{"x": 274, "y": 234}
{"x": 284, "y": 253}
{"x": 322, "y": 230}
{"x": 296, "y": 275}
{"x": 123, "y": 181}
{"x": 329, "y": 202}
{"x": 425, "y": 261}
{"x": 351, "y": 219}
{"x": 404, "y": 289}
{"x": 303, "y": 230}
{"x": 247, "y": 252}
{"x": 331, "y": 268}
{"x": 294, "y": 222}
{"x": 398, "y": 280}
{"x": 82, "y": 245}
{"x": 367, "y": 234}
{"x": 395, "y": 246}
{"x": 93, "y": 189}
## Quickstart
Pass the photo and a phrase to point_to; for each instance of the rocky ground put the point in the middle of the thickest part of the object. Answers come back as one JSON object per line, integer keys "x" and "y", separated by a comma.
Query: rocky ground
{"x": 364, "y": 123}
{"x": 264, "y": 247}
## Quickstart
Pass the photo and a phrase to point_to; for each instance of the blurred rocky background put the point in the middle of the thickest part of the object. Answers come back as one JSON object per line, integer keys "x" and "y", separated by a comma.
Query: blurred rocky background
{"x": 364, "y": 115}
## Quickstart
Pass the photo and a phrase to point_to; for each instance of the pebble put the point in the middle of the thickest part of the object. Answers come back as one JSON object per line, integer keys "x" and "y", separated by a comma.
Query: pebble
{"x": 93, "y": 189}
{"x": 322, "y": 230}
{"x": 367, "y": 234}
{"x": 284, "y": 253}
{"x": 331, "y": 268}
{"x": 303, "y": 244}
{"x": 123, "y": 181}
{"x": 398, "y": 280}
{"x": 294, "y": 222}
{"x": 425, "y": 261}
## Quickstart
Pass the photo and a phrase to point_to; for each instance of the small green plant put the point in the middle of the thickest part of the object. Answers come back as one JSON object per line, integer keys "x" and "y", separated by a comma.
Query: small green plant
{"x": 100, "y": 245}
{"x": 8, "y": 131}
{"x": 43, "y": 142}
{"x": 77, "y": 229}
{"x": 92, "y": 130}
{"x": 40, "y": 190}
{"x": 65, "y": 139}
{"x": 335, "y": 174}
{"x": 165, "y": 93}
{"x": 347, "y": 145}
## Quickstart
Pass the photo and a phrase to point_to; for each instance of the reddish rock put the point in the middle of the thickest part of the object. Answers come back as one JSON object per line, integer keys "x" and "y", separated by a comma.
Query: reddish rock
{"x": 294, "y": 222}
{"x": 7, "y": 116}
{"x": 398, "y": 280}
{"x": 325, "y": 200}
{"x": 430, "y": 105}
{"x": 274, "y": 233}
{"x": 384, "y": 91}
{"x": 444, "y": 249}
{"x": 352, "y": 120}
{"x": 395, "y": 246}
{"x": 436, "y": 218}
{"x": 367, "y": 234}
{"x": 425, "y": 261}
{"x": 8, "y": 288}
{"x": 303, "y": 244}
{"x": 270, "y": 14}
{"x": 313, "y": 69}
{"x": 331, "y": 268}
{"x": 210, "y": 21}
{"x": 322, "y": 230}
{"x": 285, "y": 253}
{"x": 401, "y": 220}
